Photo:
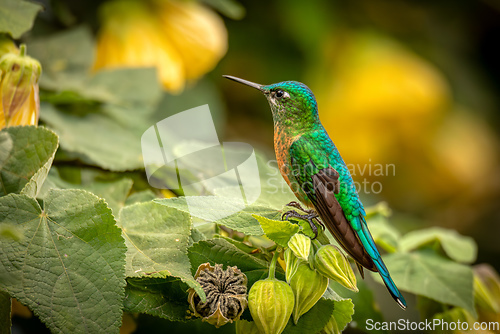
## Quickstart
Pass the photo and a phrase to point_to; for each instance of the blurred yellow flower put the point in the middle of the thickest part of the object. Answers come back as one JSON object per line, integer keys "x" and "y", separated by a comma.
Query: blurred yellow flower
{"x": 386, "y": 106}
{"x": 183, "y": 40}
{"x": 19, "y": 100}
{"x": 384, "y": 98}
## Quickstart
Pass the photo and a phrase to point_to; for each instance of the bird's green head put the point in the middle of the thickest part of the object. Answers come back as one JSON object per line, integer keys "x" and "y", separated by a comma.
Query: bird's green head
{"x": 292, "y": 103}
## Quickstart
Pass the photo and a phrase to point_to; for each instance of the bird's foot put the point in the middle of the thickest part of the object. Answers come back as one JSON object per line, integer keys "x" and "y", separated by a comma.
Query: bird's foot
{"x": 311, "y": 216}
{"x": 297, "y": 205}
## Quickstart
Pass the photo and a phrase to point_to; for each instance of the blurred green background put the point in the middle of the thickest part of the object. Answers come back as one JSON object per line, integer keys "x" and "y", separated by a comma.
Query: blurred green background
{"x": 414, "y": 84}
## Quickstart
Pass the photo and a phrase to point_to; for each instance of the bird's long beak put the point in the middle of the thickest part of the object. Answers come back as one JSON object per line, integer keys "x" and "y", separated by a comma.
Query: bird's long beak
{"x": 245, "y": 82}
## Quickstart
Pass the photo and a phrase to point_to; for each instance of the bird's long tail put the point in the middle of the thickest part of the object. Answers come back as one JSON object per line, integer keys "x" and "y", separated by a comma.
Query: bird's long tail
{"x": 367, "y": 241}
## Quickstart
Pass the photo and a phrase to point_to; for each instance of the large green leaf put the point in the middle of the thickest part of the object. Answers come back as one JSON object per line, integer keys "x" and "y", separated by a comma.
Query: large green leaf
{"x": 97, "y": 137}
{"x": 313, "y": 320}
{"x": 365, "y": 307}
{"x": 211, "y": 210}
{"x": 221, "y": 251}
{"x": 17, "y": 16}
{"x": 69, "y": 267}
{"x": 457, "y": 247}
{"x": 26, "y": 154}
{"x": 5, "y": 307}
{"x": 342, "y": 312}
{"x": 157, "y": 239}
{"x": 428, "y": 274}
{"x": 113, "y": 192}
{"x": 66, "y": 58}
{"x": 279, "y": 231}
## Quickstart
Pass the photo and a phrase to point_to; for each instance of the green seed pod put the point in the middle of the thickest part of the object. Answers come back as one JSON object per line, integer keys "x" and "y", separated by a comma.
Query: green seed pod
{"x": 291, "y": 263}
{"x": 308, "y": 285}
{"x": 300, "y": 246}
{"x": 271, "y": 303}
{"x": 246, "y": 327}
{"x": 330, "y": 262}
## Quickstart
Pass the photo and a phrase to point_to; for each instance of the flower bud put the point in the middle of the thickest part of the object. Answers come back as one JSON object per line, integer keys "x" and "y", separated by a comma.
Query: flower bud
{"x": 226, "y": 294}
{"x": 271, "y": 303}
{"x": 308, "y": 285}
{"x": 330, "y": 262}
{"x": 300, "y": 246}
{"x": 20, "y": 103}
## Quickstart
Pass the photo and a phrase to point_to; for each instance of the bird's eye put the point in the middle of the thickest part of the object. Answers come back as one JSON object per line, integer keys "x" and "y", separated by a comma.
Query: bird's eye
{"x": 279, "y": 93}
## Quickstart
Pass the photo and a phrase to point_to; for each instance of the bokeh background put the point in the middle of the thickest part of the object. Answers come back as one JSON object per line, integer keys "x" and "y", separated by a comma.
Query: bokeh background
{"x": 414, "y": 85}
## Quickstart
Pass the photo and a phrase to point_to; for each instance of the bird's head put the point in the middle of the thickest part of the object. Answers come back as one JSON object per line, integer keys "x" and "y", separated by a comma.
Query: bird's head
{"x": 292, "y": 103}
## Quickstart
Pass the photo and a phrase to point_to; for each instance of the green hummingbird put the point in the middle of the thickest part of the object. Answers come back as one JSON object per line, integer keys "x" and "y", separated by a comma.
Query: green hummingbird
{"x": 313, "y": 168}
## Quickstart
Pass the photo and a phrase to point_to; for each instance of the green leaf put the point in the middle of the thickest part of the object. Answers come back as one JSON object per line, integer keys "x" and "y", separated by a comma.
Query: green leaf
{"x": 222, "y": 252}
{"x": 341, "y": 316}
{"x": 113, "y": 192}
{"x": 457, "y": 247}
{"x": 342, "y": 312}
{"x": 66, "y": 58}
{"x": 140, "y": 196}
{"x": 279, "y": 231}
{"x": 313, "y": 320}
{"x": 364, "y": 305}
{"x": 17, "y": 17}
{"x": 211, "y": 209}
{"x": 431, "y": 275}
{"x": 96, "y": 137}
{"x": 69, "y": 267}
{"x": 126, "y": 87}
{"x": 26, "y": 154}
{"x": 384, "y": 234}
{"x": 157, "y": 240}
{"x": 164, "y": 298}
{"x": 5, "y": 307}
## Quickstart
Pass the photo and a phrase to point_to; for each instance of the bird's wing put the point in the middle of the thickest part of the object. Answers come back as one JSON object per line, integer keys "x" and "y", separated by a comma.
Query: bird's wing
{"x": 320, "y": 182}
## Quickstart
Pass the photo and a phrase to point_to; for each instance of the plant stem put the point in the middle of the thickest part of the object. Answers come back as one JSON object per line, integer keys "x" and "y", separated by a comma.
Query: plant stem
{"x": 272, "y": 267}
{"x": 22, "y": 50}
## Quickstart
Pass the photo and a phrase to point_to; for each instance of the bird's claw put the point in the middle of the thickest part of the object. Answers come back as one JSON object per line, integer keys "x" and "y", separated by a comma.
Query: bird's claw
{"x": 310, "y": 217}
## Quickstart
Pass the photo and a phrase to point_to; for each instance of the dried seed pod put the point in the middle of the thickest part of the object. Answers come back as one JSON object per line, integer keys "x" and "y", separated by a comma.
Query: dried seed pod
{"x": 330, "y": 262}
{"x": 226, "y": 292}
{"x": 308, "y": 285}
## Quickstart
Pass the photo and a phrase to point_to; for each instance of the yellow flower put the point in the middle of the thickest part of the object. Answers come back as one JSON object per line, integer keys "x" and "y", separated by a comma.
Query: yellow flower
{"x": 19, "y": 100}
{"x": 183, "y": 40}
{"x": 199, "y": 35}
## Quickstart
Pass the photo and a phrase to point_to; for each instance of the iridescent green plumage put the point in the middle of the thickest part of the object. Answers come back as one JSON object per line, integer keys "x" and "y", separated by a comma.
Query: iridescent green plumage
{"x": 313, "y": 168}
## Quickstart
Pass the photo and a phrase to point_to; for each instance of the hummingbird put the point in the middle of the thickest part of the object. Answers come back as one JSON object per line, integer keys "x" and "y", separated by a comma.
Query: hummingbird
{"x": 314, "y": 170}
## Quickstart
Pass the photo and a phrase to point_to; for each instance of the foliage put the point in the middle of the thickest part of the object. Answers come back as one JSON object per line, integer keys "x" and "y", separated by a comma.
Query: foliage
{"x": 84, "y": 238}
